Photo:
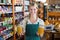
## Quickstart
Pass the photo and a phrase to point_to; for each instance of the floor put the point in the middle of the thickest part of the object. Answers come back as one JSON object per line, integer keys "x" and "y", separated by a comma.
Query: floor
{"x": 22, "y": 38}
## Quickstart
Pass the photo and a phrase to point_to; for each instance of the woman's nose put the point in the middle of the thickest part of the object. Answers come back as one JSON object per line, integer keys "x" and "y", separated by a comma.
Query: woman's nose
{"x": 33, "y": 11}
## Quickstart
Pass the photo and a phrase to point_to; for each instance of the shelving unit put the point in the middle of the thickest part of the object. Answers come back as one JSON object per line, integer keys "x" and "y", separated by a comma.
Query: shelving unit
{"x": 54, "y": 17}
{"x": 8, "y": 14}
{"x": 10, "y": 11}
{"x": 6, "y": 28}
{"x": 53, "y": 9}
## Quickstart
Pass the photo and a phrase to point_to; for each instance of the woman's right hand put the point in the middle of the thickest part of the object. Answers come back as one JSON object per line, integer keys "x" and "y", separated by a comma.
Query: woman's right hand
{"x": 21, "y": 33}
{"x": 39, "y": 35}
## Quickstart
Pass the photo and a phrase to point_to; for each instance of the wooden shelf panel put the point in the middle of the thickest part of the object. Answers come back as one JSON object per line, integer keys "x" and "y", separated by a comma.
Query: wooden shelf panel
{"x": 10, "y": 12}
{"x": 53, "y": 13}
{"x": 51, "y": 21}
{"x": 53, "y": 1}
{"x": 4, "y": 4}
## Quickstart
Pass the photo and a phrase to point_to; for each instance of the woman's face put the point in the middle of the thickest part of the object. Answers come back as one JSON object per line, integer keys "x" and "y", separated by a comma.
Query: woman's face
{"x": 33, "y": 10}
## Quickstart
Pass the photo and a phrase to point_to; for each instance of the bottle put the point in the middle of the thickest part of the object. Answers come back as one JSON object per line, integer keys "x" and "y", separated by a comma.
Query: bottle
{"x": 19, "y": 29}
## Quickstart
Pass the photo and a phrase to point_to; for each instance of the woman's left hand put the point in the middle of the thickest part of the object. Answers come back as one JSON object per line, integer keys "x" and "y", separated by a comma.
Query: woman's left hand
{"x": 37, "y": 33}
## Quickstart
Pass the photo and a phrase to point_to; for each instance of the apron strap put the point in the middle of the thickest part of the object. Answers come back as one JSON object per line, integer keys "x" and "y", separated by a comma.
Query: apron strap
{"x": 38, "y": 23}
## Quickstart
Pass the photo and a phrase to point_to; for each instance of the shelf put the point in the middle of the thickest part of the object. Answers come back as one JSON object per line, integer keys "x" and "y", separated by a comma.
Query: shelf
{"x": 9, "y": 12}
{"x": 53, "y": 13}
{"x": 8, "y": 36}
{"x": 53, "y": 21}
{"x": 10, "y": 4}
{"x": 5, "y": 4}
{"x": 5, "y": 30}
{"x": 13, "y": 13}
{"x": 2, "y": 3}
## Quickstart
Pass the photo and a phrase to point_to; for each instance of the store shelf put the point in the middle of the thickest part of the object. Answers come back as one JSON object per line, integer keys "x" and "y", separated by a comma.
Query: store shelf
{"x": 7, "y": 35}
{"x": 6, "y": 4}
{"x": 6, "y": 30}
{"x": 2, "y": 3}
{"x": 10, "y": 12}
{"x": 54, "y": 16}
{"x": 10, "y": 4}
{"x": 51, "y": 21}
{"x": 15, "y": 10}
{"x": 54, "y": 13}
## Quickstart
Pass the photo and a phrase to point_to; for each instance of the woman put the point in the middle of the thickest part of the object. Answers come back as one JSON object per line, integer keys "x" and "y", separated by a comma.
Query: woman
{"x": 32, "y": 24}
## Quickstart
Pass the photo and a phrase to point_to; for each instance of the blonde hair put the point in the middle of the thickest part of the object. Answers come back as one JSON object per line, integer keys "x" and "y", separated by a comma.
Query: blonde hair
{"x": 33, "y": 4}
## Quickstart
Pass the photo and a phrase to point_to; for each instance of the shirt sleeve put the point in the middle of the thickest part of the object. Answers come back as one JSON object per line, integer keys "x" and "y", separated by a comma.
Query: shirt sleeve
{"x": 41, "y": 23}
{"x": 41, "y": 28}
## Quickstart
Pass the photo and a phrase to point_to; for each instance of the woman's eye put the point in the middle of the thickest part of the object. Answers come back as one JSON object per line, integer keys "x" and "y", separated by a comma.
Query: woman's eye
{"x": 31, "y": 9}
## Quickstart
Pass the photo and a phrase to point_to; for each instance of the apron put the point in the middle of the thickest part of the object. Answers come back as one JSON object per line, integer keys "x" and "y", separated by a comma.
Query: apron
{"x": 31, "y": 30}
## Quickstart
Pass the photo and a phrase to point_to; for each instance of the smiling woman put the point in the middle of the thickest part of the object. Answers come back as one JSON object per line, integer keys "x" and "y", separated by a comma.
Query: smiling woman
{"x": 32, "y": 24}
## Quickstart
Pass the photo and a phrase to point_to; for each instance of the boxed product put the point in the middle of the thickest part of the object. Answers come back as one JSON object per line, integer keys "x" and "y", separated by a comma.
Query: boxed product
{"x": 26, "y": 2}
{"x": 18, "y": 8}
